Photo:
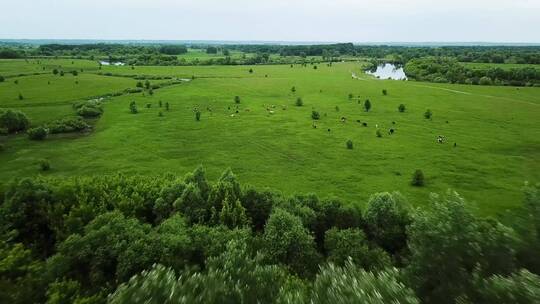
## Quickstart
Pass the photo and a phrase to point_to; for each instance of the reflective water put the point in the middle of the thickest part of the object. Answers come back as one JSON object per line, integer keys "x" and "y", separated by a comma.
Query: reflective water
{"x": 388, "y": 71}
{"x": 108, "y": 63}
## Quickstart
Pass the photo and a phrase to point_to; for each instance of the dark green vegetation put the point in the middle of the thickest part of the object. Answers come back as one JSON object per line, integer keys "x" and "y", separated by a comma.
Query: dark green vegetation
{"x": 81, "y": 239}
{"x": 437, "y": 69}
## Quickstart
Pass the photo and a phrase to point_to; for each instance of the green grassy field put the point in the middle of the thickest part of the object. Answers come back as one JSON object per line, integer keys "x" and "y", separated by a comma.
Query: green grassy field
{"x": 495, "y": 128}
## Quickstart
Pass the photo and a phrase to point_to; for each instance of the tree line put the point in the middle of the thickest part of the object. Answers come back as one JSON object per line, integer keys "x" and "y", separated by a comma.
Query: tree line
{"x": 394, "y": 53}
{"x": 171, "y": 239}
{"x": 449, "y": 70}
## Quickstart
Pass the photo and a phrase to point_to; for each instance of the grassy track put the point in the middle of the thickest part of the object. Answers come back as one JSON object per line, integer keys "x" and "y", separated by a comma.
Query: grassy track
{"x": 495, "y": 128}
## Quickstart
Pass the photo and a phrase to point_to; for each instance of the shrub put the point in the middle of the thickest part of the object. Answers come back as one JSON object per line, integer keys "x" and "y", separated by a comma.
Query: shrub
{"x": 74, "y": 73}
{"x": 148, "y": 105}
{"x": 237, "y": 99}
{"x": 350, "y": 96}
{"x": 139, "y": 84}
{"x": 13, "y": 121}
{"x": 55, "y": 71}
{"x": 401, "y": 108}
{"x": 2, "y": 79}
{"x": 160, "y": 114}
{"x": 38, "y": 133}
{"x": 20, "y": 96}
{"x": 428, "y": 114}
{"x": 133, "y": 90}
{"x": 315, "y": 115}
{"x": 299, "y": 102}
{"x": 378, "y": 133}
{"x": 167, "y": 106}
{"x": 349, "y": 144}
{"x": 198, "y": 115}
{"x": 337, "y": 109}
{"x": 160, "y": 103}
{"x": 67, "y": 125}
{"x": 89, "y": 111}
{"x": 250, "y": 71}
{"x": 367, "y": 105}
{"x": 293, "y": 89}
{"x": 151, "y": 92}
{"x": 384, "y": 92}
{"x": 61, "y": 73}
{"x": 418, "y": 178}
{"x": 44, "y": 165}
{"x": 133, "y": 107}
{"x": 485, "y": 81}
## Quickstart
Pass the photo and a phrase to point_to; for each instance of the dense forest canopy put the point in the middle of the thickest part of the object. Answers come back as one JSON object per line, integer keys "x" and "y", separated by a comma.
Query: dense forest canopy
{"x": 130, "y": 239}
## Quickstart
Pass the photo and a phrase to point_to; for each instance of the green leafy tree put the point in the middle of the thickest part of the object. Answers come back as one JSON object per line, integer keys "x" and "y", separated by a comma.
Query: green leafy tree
{"x": 192, "y": 205}
{"x": 13, "y": 121}
{"x": 449, "y": 240}
{"x": 418, "y": 178}
{"x": 112, "y": 248}
{"x": 299, "y": 102}
{"x": 315, "y": 115}
{"x": 367, "y": 105}
{"x": 342, "y": 244}
{"x": 21, "y": 276}
{"x": 386, "y": 219}
{"x": 287, "y": 242}
{"x": 349, "y": 284}
{"x": 521, "y": 287}
{"x": 233, "y": 214}
{"x": 133, "y": 107}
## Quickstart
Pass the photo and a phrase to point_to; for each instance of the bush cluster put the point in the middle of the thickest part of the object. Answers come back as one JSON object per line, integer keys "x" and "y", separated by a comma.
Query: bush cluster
{"x": 13, "y": 121}
{"x": 88, "y": 108}
{"x": 68, "y": 125}
{"x": 38, "y": 133}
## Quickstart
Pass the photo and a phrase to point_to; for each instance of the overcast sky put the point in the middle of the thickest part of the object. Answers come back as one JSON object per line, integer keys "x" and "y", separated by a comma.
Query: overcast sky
{"x": 275, "y": 20}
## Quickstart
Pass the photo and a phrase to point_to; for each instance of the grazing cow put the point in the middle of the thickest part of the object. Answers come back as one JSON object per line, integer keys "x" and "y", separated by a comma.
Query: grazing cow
{"x": 440, "y": 139}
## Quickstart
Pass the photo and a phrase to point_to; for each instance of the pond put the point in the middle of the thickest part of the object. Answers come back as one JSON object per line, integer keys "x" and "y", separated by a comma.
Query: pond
{"x": 108, "y": 63}
{"x": 388, "y": 71}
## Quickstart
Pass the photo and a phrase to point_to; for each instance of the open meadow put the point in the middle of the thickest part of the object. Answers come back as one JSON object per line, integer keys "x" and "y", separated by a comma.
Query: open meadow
{"x": 491, "y": 134}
